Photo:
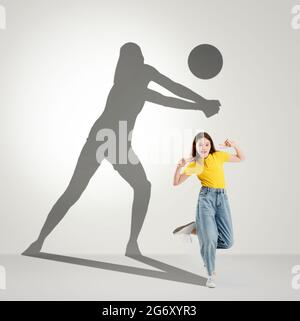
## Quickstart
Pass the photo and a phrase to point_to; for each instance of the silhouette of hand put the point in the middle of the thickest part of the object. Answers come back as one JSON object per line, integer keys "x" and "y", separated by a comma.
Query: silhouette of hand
{"x": 210, "y": 107}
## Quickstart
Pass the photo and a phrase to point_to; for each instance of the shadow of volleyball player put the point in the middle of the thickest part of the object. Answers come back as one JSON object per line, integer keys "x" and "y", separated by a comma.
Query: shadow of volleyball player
{"x": 125, "y": 101}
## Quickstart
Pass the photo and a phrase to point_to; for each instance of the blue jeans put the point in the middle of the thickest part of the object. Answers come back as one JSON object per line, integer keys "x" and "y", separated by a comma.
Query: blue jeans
{"x": 213, "y": 224}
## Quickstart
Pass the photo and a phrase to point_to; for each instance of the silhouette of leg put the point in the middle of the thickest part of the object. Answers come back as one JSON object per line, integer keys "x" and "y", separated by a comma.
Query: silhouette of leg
{"x": 135, "y": 175}
{"x": 86, "y": 166}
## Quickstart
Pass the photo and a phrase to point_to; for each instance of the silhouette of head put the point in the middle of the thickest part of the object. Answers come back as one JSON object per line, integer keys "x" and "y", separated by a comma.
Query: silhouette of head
{"x": 130, "y": 62}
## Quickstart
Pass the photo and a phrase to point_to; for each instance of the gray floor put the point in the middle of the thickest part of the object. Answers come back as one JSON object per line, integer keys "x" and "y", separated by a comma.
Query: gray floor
{"x": 176, "y": 277}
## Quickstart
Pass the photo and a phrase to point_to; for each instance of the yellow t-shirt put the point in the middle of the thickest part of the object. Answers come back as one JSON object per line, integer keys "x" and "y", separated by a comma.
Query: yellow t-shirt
{"x": 212, "y": 172}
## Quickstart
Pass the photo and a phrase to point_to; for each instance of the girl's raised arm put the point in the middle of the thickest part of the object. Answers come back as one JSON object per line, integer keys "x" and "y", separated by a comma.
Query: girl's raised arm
{"x": 240, "y": 156}
{"x": 180, "y": 178}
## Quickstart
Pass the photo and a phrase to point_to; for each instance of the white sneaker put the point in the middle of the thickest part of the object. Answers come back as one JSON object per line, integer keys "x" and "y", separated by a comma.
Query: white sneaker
{"x": 185, "y": 231}
{"x": 211, "y": 281}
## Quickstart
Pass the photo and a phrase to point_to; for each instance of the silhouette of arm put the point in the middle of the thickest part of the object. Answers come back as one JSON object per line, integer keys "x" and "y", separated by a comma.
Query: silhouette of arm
{"x": 174, "y": 87}
{"x": 157, "y": 98}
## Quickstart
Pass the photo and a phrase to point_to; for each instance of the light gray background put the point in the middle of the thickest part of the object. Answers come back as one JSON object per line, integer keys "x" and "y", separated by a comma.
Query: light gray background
{"x": 57, "y": 62}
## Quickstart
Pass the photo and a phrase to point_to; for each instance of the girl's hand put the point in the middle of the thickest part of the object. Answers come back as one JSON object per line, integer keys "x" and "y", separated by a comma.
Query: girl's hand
{"x": 228, "y": 143}
{"x": 184, "y": 161}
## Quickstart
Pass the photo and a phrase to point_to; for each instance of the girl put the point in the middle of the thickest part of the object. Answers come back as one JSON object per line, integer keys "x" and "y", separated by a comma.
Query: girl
{"x": 213, "y": 224}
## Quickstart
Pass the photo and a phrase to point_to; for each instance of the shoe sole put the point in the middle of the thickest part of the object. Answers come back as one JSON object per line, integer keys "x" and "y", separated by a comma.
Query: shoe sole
{"x": 181, "y": 227}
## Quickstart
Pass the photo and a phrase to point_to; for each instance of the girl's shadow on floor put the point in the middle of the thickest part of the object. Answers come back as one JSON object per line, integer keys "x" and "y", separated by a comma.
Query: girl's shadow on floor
{"x": 168, "y": 272}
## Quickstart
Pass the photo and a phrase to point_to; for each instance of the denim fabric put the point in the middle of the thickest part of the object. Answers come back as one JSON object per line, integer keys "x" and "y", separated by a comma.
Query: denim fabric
{"x": 213, "y": 224}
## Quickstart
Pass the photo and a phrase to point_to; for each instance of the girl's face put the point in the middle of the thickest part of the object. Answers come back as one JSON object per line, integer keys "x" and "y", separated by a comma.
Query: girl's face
{"x": 203, "y": 147}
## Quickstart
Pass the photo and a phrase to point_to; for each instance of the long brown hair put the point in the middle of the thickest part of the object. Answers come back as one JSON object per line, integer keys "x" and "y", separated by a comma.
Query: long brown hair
{"x": 199, "y": 136}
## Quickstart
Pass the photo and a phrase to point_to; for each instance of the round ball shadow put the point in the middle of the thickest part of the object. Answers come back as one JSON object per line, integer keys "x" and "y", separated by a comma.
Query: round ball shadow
{"x": 205, "y": 61}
